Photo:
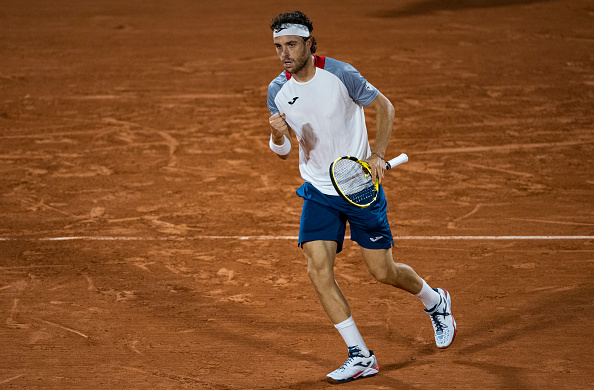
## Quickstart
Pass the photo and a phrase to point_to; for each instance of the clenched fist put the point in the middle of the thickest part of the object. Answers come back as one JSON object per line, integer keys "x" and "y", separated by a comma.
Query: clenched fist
{"x": 278, "y": 127}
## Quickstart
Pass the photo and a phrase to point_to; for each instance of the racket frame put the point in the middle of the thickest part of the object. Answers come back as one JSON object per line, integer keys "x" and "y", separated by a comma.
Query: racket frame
{"x": 402, "y": 158}
{"x": 367, "y": 168}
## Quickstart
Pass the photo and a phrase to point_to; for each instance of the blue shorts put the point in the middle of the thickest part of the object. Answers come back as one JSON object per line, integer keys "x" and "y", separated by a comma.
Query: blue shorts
{"x": 324, "y": 217}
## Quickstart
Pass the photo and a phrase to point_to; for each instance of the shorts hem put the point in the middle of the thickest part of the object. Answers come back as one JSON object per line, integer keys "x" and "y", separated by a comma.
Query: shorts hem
{"x": 339, "y": 244}
{"x": 370, "y": 245}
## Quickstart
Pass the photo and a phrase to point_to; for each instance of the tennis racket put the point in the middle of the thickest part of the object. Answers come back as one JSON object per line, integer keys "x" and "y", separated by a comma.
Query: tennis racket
{"x": 351, "y": 178}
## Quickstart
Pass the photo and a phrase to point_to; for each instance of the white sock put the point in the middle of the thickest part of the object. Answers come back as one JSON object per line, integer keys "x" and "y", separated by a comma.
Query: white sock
{"x": 349, "y": 332}
{"x": 429, "y": 296}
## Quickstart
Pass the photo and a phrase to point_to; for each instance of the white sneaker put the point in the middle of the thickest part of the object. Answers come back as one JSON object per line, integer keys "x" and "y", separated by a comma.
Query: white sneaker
{"x": 356, "y": 366}
{"x": 443, "y": 321}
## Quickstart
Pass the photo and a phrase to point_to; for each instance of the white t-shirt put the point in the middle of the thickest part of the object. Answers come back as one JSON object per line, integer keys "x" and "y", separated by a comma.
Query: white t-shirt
{"x": 326, "y": 114}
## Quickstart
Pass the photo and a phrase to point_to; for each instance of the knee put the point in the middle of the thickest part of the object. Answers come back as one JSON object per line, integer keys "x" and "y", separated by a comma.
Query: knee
{"x": 387, "y": 274}
{"x": 382, "y": 275}
{"x": 320, "y": 263}
{"x": 319, "y": 275}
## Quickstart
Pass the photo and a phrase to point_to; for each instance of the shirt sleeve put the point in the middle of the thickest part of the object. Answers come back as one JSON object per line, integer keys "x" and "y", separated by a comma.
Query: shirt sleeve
{"x": 360, "y": 90}
{"x": 273, "y": 88}
{"x": 270, "y": 101}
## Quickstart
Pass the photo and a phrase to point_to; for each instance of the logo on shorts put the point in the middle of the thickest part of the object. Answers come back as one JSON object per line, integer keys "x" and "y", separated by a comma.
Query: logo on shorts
{"x": 376, "y": 239}
{"x": 294, "y": 99}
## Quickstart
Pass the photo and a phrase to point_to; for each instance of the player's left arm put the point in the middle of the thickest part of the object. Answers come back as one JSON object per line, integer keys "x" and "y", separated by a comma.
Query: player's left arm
{"x": 385, "y": 112}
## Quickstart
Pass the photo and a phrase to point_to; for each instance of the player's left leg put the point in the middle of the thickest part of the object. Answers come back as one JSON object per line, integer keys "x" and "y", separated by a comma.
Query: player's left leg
{"x": 437, "y": 301}
{"x": 383, "y": 268}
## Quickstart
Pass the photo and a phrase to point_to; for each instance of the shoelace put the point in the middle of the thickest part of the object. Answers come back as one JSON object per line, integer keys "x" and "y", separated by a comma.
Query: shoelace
{"x": 353, "y": 353}
{"x": 345, "y": 364}
{"x": 439, "y": 325}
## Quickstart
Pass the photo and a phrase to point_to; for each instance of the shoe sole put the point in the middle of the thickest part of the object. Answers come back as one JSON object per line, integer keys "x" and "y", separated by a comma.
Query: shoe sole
{"x": 365, "y": 374}
{"x": 448, "y": 297}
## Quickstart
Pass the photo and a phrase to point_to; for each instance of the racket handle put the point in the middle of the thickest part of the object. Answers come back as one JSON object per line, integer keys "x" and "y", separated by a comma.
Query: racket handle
{"x": 396, "y": 161}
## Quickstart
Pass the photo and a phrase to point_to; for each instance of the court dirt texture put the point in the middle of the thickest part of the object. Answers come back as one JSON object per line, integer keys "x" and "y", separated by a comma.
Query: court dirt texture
{"x": 147, "y": 232}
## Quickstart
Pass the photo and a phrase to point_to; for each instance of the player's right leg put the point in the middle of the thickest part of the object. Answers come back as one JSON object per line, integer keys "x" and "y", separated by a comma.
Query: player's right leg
{"x": 356, "y": 366}
{"x": 321, "y": 235}
{"x": 320, "y": 257}
{"x": 361, "y": 362}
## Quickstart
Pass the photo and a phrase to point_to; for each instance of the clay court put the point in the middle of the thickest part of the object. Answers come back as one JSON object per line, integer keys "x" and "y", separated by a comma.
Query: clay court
{"x": 148, "y": 233}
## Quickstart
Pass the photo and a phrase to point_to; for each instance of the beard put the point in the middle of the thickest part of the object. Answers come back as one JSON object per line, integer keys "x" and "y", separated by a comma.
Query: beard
{"x": 299, "y": 63}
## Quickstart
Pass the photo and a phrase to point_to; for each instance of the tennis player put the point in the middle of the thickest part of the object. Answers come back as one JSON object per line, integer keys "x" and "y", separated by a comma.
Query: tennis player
{"x": 320, "y": 100}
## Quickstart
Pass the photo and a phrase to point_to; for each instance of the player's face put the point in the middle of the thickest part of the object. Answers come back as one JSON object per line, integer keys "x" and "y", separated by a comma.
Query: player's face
{"x": 292, "y": 51}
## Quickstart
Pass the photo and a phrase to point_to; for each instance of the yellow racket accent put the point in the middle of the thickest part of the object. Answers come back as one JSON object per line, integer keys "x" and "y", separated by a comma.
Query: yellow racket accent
{"x": 351, "y": 178}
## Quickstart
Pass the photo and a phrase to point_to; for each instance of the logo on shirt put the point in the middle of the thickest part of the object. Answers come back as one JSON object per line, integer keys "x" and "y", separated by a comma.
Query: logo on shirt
{"x": 369, "y": 87}
{"x": 293, "y": 101}
{"x": 376, "y": 239}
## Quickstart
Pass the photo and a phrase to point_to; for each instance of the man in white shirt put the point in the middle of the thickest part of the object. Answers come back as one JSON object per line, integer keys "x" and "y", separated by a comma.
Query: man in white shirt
{"x": 321, "y": 100}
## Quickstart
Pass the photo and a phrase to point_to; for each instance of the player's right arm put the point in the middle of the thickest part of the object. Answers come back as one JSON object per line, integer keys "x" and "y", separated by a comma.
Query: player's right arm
{"x": 280, "y": 135}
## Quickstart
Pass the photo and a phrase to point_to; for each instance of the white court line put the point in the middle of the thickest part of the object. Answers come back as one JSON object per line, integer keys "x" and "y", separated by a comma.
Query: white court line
{"x": 494, "y": 238}
{"x": 193, "y": 238}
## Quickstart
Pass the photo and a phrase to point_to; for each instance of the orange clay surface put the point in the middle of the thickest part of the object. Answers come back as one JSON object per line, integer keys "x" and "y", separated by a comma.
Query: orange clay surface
{"x": 141, "y": 129}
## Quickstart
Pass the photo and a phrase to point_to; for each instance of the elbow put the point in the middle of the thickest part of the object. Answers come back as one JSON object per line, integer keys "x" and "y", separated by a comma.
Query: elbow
{"x": 390, "y": 110}
{"x": 384, "y": 106}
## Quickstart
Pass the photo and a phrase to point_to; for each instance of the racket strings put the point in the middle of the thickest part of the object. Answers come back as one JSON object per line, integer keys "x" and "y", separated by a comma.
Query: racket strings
{"x": 354, "y": 181}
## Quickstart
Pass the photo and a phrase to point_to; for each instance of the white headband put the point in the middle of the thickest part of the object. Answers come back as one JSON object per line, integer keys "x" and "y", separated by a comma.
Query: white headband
{"x": 291, "y": 29}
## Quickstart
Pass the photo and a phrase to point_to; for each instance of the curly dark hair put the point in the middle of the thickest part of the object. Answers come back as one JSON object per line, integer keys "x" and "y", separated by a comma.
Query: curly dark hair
{"x": 295, "y": 17}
